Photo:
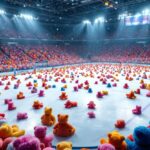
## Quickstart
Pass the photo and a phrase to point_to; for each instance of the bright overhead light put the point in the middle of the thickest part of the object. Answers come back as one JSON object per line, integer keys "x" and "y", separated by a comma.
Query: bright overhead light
{"x": 26, "y": 16}
{"x": 146, "y": 12}
{"x": 106, "y": 3}
{"x": 2, "y": 12}
{"x": 99, "y": 20}
{"x": 86, "y": 22}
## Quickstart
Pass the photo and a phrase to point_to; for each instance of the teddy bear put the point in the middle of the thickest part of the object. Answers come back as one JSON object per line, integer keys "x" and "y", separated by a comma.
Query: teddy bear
{"x": 137, "y": 110}
{"x": 63, "y": 128}
{"x": 40, "y": 133}
{"x": 106, "y": 147}
{"x": 20, "y": 95}
{"x": 104, "y": 92}
{"x": 116, "y": 139}
{"x": 141, "y": 138}
{"x": 41, "y": 93}
{"x": 2, "y": 118}
{"x": 91, "y": 105}
{"x": 37, "y": 104}
{"x": 10, "y": 131}
{"x": 64, "y": 146}
{"x": 63, "y": 96}
{"x": 70, "y": 104}
{"x": 131, "y": 95}
{"x": 120, "y": 124}
{"x": 21, "y": 116}
{"x": 26, "y": 142}
{"x": 48, "y": 118}
{"x": 91, "y": 114}
{"x": 4, "y": 143}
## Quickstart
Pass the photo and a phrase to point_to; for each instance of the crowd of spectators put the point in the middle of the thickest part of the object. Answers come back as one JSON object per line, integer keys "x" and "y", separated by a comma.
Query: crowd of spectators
{"x": 26, "y": 57}
{"x": 124, "y": 54}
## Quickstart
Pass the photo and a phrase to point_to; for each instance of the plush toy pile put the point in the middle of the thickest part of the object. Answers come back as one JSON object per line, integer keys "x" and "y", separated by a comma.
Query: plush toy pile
{"x": 70, "y": 95}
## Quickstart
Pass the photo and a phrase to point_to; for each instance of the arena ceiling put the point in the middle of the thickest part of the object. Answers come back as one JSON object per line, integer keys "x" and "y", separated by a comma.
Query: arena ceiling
{"x": 71, "y": 11}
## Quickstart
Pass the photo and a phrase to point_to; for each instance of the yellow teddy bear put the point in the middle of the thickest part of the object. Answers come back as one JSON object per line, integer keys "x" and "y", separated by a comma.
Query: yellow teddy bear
{"x": 64, "y": 146}
{"x": 105, "y": 92}
{"x": 116, "y": 139}
{"x": 10, "y": 131}
{"x": 148, "y": 87}
{"x": 48, "y": 118}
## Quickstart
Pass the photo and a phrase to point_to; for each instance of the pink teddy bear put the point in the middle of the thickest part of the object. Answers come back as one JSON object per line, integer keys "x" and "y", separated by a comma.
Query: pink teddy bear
{"x": 26, "y": 142}
{"x": 40, "y": 133}
{"x": 106, "y": 147}
{"x": 91, "y": 105}
{"x": 91, "y": 114}
{"x": 21, "y": 116}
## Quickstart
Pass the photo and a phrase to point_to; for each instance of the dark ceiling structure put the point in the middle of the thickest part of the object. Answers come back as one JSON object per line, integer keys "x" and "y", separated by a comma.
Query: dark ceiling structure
{"x": 71, "y": 11}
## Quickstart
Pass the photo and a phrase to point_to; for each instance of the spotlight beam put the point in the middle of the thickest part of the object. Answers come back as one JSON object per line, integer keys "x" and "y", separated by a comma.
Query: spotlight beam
{"x": 2, "y": 12}
{"x": 86, "y": 22}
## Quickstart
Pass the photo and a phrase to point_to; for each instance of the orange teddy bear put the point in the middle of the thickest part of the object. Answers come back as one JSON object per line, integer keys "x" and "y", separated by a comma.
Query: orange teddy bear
{"x": 48, "y": 118}
{"x": 62, "y": 128}
{"x": 37, "y": 104}
{"x": 131, "y": 95}
{"x": 20, "y": 95}
{"x": 116, "y": 139}
{"x": 63, "y": 96}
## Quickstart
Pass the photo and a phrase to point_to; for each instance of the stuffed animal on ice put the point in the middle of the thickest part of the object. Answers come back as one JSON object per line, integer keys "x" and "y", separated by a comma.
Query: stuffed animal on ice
{"x": 2, "y": 118}
{"x": 48, "y": 118}
{"x": 40, "y": 133}
{"x": 131, "y": 95}
{"x": 99, "y": 95}
{"x": 63, "y": 96}
{"x": 91, "y": 114}
{"x": 116, "y": 139}
{"x": 20, "y": 95}
{"x": 63, "y": 128}
{"x": 64, "y": 146}
{"x": 6, "y": 101}
{"x": 11, "y": 106}
{"x": 91, "y": 105}
{"x": 141, "y": 138}
{"x": 41, "y": 93}
{"x": 148, "y": 87}
{"x": 4, "y": 143}
{"x": 34, "y": 90}
{"x": 22, "y": 116}
{"x": 106, "y": 147}
{"x": 10, "y": 131}
{"x": 120, "y": 124}
{"x": 37, "y": 104}
{"x": 70, "y": 104}
{"x": 75, "y": 89}
{"x": 126, "y": 86}
{"x": 26, "y": 142}
{"x": 138, "y": 91}
{"x": 105, "y": 92}
{"x": 137, "y": 110}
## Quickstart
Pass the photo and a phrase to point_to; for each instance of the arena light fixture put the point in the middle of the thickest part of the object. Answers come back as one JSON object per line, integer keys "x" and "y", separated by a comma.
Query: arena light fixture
{"x": 86, "y": 22}
{"x": 146, "y": 12}
{"x": 26, "y": 16}
{"x": 99, "y": 20}
{"x": 2, "y": 12}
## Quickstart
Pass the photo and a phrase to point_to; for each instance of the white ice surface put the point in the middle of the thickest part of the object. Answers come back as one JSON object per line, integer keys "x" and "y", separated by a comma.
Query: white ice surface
{"x": 88, "y": 131}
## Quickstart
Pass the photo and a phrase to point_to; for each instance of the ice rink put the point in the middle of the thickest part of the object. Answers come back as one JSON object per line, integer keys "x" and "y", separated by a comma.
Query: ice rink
{"x": 110, "y": 108}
